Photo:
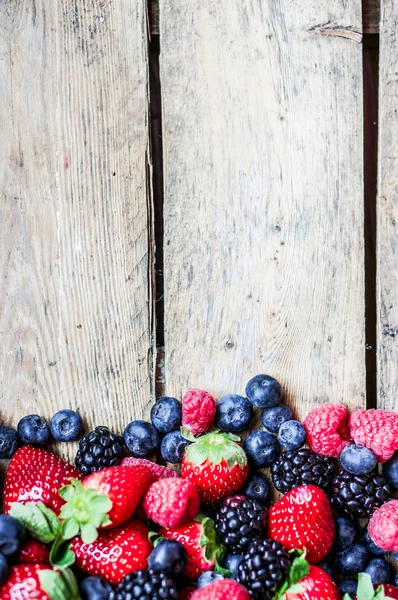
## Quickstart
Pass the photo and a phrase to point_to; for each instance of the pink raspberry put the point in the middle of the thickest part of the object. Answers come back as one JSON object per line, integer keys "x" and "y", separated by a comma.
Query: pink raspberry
{"x": 383, "y": 526}
{"x": 172, "y": 502}
{"x": 198, "y": 410}
{"x": 327, "y": 429}
{"x": 222, "y": 589}
{"x": 158, "y": 471}
{"x": 377, "y": 430}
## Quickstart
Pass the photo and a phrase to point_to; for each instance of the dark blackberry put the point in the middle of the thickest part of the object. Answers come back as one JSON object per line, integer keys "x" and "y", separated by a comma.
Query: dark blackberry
{"x": 99, "y": 449}
{"x": 300, "y": 467}
{"x": 264, "y": 567}
{"x": 145, "y": 585}
{"x": 358, "y": 495}
{"x": 238, "y": 521}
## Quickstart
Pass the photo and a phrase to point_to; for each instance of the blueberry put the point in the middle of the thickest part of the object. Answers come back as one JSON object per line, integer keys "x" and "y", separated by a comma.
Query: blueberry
{"x": 353, "y": 560}
{"x": 173, "y": 447}
{"x": 358, "y": 460}
{"x": 394, "y": 555}
{"x": 395, "y": 581}
{"x": 12, "y": 535}
{"x": 166, "y": 414}
{"x": 326, "y": 566}
{"x": 346, "y": 533}
{"x": 94, "y": 588}
{"x": 3, "y": 569}
{"x": 257, "y": 488}
{"x": 379, "y": 571}
{"x": 141, "y": 438}
{"x": 272, "y": 418}
{"x": 232, "y": 563}
{"x": 66, "y": 426}
{"x": 9, "y": 441}
{"x": 390, "y": 470}
{"x": 370, "y": 545}
{"x": 348, "y": 586}
{"x": 263, "y": 391}
{"x": 169, "y": 556}
{"x": 234, "y": 413}
{"x": 33, "y": 430}
{"x": 262, "y": 448}
{"x": 207, "y": 578}
{"x": 292, "y": 435}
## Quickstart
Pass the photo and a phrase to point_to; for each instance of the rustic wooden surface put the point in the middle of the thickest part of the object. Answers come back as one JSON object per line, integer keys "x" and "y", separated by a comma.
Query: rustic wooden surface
{"x": 387, "y": 210}
{"x": 263, "y": 209}
{"x": 75, "y": 254}
{"x": 371, "y": 16}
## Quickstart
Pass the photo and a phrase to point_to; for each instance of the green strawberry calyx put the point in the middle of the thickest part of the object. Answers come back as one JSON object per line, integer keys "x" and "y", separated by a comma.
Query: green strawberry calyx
{"x": 298, "y": 570}
{"x": 366, "y": 591}
{"x": 216, "y": 447}
{"x": 41, "y": 522}
{"x": 214, "y": 551}
{"x": 59, "y": 585}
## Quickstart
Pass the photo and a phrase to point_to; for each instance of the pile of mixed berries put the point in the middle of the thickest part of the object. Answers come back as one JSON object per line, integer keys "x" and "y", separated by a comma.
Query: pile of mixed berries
{"x": 122, "y": 524}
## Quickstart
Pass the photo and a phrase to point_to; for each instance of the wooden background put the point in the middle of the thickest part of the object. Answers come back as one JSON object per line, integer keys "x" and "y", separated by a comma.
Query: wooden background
{"x": 262, "y": 229}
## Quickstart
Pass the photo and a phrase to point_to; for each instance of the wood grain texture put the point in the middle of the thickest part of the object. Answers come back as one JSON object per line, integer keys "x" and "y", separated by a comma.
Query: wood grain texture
{"x": 76, "y": 249}
{"x": 387, "y": 209}
{"x": 371, "y": 16}
{"x": 262, "y": 116}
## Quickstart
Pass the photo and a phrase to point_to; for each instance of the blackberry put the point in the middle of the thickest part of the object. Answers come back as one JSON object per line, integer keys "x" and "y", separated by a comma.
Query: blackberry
{"x": 145, "y": 585}
{"x": 264, "y": 567}
{"x": 358, "y": 495}
{"x": 300, "y": 467}
{"x": 99, "y": 449}
{"x": 238, "y": 521}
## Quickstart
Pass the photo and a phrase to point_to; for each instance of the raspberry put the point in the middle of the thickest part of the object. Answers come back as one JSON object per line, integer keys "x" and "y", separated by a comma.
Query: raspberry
{"x": 220, "y": 590}
{"x": 172, "y": 502}
{"x": 377, "y": 430}
{"x": 327, "y": 429}
{"x": 158, "y": 471}
{"x": 383, "y": 526}
{"x": 198, "y": 411}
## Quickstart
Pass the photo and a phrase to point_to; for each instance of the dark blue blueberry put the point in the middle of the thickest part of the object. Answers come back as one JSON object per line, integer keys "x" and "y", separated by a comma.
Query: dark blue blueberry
{"x": 371, "y": 546}
{"x": 9, "y": 441}
{"x": 166, "y": 414}
{"x": 169, "y": 556}
{"x": 272, "y": 418}
{"x": 12, "y": 535}
{"x": 263, "y": 391}
{"x": 261, "y": 448}
{"x": 353, "y": 560}
{"x": 33, "y": 430}
{"x": 395, "y": 581}
{"x": 141, "y": 438}
{"x": 66, "y": 426}
{"x": 348, "y": 586}
{"x": 232, "y": 563}
{"x": 234, "y": 413}
{"x": 357, "y": 459}
{"x": 208, "y": 577}
{"x": 394, "y": 555}
{"x": 292, "y": 435}
{"x": 326, "y": 565}
{"x": 390, "y": 470}
{"x": 94, "y": 588}
{"x": 173, "y": 446}
{"x": 379, "y": 571}
{"x": 346, "y": 533}
{"x": 3, "y": 569}
{"x": 257, "y": 488}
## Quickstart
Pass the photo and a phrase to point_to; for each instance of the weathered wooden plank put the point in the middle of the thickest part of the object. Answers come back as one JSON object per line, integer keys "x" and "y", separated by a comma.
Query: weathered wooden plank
{"x": 75, "y": 253}
{"x": 371, "y": 16}
{"x": 387, "y": 209}
{"x": 262, "y": 114}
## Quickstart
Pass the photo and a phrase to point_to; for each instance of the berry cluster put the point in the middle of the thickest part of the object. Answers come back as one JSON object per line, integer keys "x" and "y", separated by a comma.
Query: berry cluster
{"x": 119, "y": 525}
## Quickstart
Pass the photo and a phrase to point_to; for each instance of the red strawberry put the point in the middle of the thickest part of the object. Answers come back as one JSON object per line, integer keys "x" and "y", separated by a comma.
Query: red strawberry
{"x": 222, "y": 589}
{"x": 216, "y": 465}
{"x": 172, "y": 502}
{"x": 33, "y": 552}
{"x": 327, "y": 429}
{"x": 36, "y": 582}
{"x": 158, "y": 471}
{"x": 383, "y": 526}
{"x": 367, "y": 591}
{"x": 389, "y": 591}
{"x": 36, "y": 475}
{"x": 377, "y": 430}
{"x": 303, "y": 519}
{"x": 199, "y": 540}
{"x": 316, "y": 585}
{"x": 115, "y": 553}
{"x": 198, "y": 411}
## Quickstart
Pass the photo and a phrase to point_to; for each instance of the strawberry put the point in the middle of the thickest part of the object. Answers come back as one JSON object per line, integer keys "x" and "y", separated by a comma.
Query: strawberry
{"x": 327, "y": 429}
{"x": 33, "y": 552}
{"x": 199, "y": 540}
{"x": 383, "y": 526}
{"x": 198, "y": 411}
{"x": 36, "y": 582}
{"x": 216, "y": 465}
{"x": 316, "y": 585}
{"x": 186, "y": 593}
{"x": 36, "y": 475}
{"x": 366, "y": 591}
{"x": 158, "y": 471}
{"x": 303, "y": 519}
{"x": 172, "y": 502}
{"x": 377, "y": 430}
{"x": 115, "y": 553}
{"x": 222, "y": 589}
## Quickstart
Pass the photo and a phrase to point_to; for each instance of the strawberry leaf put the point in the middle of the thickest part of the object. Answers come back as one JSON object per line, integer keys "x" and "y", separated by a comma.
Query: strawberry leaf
{"x": 41, "y": 522}
{"x": 89, "y": 533}
{"x": 70, "y": 528}
{"x": 365, "y": 589}
{"x": 59, "y": 585}
{"x": 61, "y": 555}
{"x": 187, "y": 435}
{"x": 216, "y": 447}
{"x": 298, "y": 570}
